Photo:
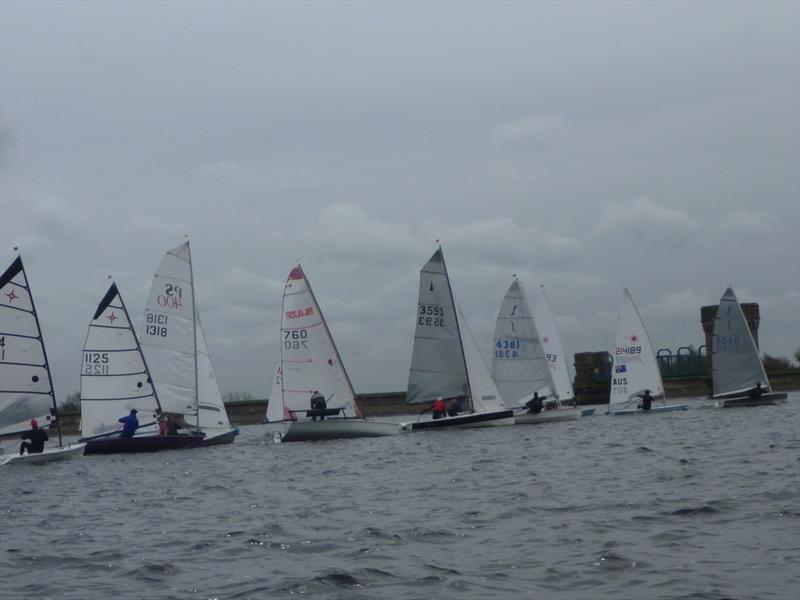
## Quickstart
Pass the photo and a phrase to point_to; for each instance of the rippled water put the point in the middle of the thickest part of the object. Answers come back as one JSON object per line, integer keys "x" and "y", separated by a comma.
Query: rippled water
{"x": 701, "y": 504}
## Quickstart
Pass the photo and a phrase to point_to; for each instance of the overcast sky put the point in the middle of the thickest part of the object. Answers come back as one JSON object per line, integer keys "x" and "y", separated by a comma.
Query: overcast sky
{"x": 586, "y": 146}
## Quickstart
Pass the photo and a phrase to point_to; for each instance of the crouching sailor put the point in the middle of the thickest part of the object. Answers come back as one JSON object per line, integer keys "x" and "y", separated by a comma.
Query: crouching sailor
{"x": 37, "y": 439}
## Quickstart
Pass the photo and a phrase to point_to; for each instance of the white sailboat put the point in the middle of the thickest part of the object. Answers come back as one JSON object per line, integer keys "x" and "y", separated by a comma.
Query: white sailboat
{"x": 175, "y": 346}
{"x": 554, "y": 353}
{"x": 519, "y": 364}
{"x": 26, "y": 387}
{"x": 309, "y": 363}
{"x": 737, "y": 367}
{"x": 114, "y": 380}
{"x": 445, "y": 362}
{"x": 635, "y": 368}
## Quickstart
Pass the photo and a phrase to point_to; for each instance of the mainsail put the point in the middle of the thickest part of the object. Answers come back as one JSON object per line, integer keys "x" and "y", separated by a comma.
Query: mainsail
{"x": 438, "y": 365}
{"x": 635, "y": 368}
{"x": 519, "y": 366}
{"x": 554, "y": 353}
{"x": 26, "y": 389}
{"x": 309, "y": 359}
{"x": 175, "y": 346}
{"x": 114, "y": 374}
{"x": 737, "y": 366}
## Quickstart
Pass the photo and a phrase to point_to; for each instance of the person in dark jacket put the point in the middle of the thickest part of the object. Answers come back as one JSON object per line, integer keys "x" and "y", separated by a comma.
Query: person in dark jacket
{"x": 756, "y": 392}
{"x": 647, "y": 400}
{"x": 37, "y": 439}
{"x": 535, "y": 404}
{"x": 129, "y": 424}
{"x": 318, "y": 403}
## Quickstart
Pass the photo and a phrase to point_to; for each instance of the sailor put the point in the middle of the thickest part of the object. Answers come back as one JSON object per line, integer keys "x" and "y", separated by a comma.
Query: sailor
{"x": 534, "y": 405}
{"x": 455, "y": 408}
{"x": 439, "y": 409}
{"x": 129, "y": 424}
{"x": 37, "y": 439}
{"x": 318, "y": 403}
{"x": 647, "y": 400}
{"x": 756, "y": 392}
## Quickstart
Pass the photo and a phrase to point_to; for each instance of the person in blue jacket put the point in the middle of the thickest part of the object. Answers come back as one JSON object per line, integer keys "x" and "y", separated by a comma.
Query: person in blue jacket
{"x": 129, "y": 424}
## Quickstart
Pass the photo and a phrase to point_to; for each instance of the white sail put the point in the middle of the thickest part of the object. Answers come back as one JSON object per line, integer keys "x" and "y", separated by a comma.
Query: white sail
{"x": 519, "y": 366}
{"x": 438, "y": 366}
{"x": 114, "y": 375}
{"x": 309, "y": 359}
{"x": 275, "y": 409}
{"x": 554, "y": 353}
{"x": 175, "y": 346}
{"x": 26, "y": 389}
{"x": 635, "y": 368}
{"x": 737, "y": 366}
{"x": 168, "y": 334}
{"x": 484, "y": 393}
{"x": 211, "y": 410}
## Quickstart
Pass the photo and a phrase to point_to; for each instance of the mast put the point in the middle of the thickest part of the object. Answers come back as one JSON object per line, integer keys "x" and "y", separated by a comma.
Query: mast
{"x": 280, "y": 362}
{"x": 333, "y": 344}
{"x": 458, "y": 328}
{"x": 44, "y": 353}
{"x": 194, "y": 336}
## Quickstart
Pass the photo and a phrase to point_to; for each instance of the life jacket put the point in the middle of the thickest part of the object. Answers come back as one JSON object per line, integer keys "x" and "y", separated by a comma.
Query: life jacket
{"x": 438, "y": 406}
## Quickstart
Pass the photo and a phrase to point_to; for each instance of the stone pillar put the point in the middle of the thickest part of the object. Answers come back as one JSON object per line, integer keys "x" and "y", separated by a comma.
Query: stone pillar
{"x": 707, "y": 314}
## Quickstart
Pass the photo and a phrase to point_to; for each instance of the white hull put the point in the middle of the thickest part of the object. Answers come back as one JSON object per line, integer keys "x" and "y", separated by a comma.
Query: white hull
{"x": 49, "y": 455}
{"x": 470, "y": 420}
{"x": 764, "y": 400}
{"x": 332, "y": 429}
{"x": 547, "y": 416}
{"x": 639, "y": 411}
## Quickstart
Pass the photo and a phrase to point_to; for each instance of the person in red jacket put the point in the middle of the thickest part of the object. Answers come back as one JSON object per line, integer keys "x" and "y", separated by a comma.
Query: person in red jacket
{"x": 439, "y": 409}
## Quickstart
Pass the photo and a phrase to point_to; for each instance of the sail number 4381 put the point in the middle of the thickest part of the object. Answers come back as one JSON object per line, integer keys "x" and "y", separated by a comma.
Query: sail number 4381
{"x": 430, "y": 315}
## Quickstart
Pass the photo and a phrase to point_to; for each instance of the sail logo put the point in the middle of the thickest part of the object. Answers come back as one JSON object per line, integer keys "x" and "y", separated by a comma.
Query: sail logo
{"x": 302, "y": 312}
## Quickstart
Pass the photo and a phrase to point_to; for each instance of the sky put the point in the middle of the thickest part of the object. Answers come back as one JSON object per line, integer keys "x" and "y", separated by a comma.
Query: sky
{"x": 587, "y": 146}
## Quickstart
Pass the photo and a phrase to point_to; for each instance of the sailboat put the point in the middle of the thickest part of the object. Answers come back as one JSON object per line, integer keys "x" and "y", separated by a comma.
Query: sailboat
{"x": 635, "y": 368}
{"x": 175, "y": 346}
{"x": 737, "y": 367}
{"x": 26, "y": 387}
{"x": 115, "y": 379}
{"x": 445, "y": 362}
{"x": 309, "y": 363}
{"x": 519, "y": 364}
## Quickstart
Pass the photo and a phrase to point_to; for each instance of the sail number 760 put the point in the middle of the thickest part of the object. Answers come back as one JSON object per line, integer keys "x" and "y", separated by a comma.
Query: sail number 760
{"x": 295, "y": 339}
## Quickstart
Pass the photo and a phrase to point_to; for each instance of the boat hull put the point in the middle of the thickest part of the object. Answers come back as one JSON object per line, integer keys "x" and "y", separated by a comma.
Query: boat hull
{"x": 217, "y": 439}
{"x": 49, "y": 455}
{"x": 547, "y": 416}
{"x": 333, "y": 429}
{"x": 587, "y": 412}
{"x": 655, "y": 409}
{"x": 763, "y": 400}
{"x": 483, "y": 419}
{"x": 150, "y": 443}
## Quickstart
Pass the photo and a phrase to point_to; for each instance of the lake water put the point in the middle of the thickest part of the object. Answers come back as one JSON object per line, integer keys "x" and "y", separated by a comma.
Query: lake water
{"x": 701, "y": 504}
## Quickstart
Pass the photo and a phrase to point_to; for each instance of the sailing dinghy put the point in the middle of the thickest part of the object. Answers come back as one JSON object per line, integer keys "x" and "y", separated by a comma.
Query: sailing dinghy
{"x": 26, "y": 387}
{"x": 175, "y": 346}
{"x": 309, "y": 363}
{"x": 737, "y": 367}
{"x": 635, "y": 368}
{"x": 445, "y": 362}
{"x": 520, "y": 365}
{"x": 114, "y": 380}
{"x": 554, "y": 353}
